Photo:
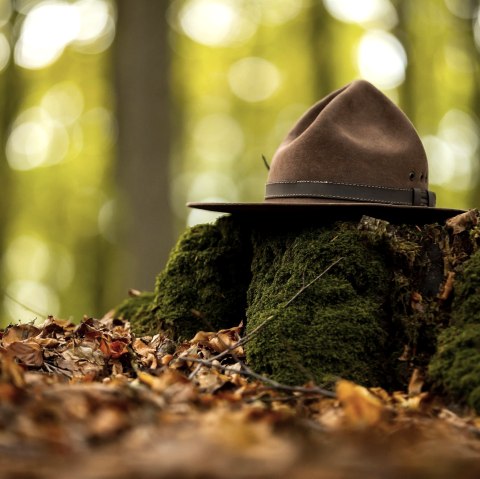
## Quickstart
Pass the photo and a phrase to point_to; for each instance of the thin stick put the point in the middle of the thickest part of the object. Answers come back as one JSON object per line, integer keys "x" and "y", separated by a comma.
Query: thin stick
{"x": 24, "y": 306}
{"x": 251, "y": 333}
{"x": 303, "y": 288}
{"x": 265, "y": 162}
{"x": 249, "y": 373}
{"x": 241, "y": 341}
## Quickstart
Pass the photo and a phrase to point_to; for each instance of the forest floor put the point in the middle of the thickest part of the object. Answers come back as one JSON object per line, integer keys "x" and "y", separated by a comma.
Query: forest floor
{"x": 93, "y": 401}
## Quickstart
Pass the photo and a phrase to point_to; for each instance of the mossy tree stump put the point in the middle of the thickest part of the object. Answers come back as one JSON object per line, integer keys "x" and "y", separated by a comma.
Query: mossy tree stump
{"x": 363, "y": 300}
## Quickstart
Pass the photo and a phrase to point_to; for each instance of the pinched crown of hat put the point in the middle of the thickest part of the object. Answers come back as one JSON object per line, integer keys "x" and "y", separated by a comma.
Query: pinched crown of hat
{"x": 354, "y": 145}
{"x": 354, "y": 149}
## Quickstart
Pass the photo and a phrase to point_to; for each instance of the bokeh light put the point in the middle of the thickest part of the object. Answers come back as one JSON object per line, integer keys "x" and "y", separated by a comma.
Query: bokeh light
{"x": 215, "y": 22}
{"x": 196, "y": 217}
{"x": 27, "y": 257}
{"x": 277, "y": 12}
{"x": 254, "y": 79}
{"x": 213, "y": 184}
{"x": 218, "y": 140}
{"x": 4, "y": 51}
{"x": 48, "y": 28}
{"x": 379, "y": 13}
{"x": 36, "y": 140}
{"x": 64, "y": 102}
{"x": 382, "y": 59}
{"x": 52, "y": 25}
{"x": 452, "y": 152}
{"x": 27, "y": 300}
{"x": 461, "y": 8}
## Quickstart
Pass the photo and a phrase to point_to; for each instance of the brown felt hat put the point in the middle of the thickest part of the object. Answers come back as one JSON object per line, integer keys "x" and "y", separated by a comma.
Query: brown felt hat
{"x": 352, "y": 153}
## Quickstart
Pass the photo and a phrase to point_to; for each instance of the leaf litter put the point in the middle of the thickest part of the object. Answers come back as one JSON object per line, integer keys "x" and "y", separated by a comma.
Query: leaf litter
{"x": 95, "y": 401}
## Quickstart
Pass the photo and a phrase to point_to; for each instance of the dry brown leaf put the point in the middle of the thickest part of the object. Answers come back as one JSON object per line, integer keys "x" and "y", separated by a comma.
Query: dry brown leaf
{"x": 416, "y": 382}
{"x": 210, "y": 380}
{"x": 461, "y": 222}
{"x": 361, "y": 408}
{"x": 201, "y": 337}
{"x": 223, "y": 341}
{"x": 447, "y": 287}
{"x": 27, "y": 352}
{"x": 113, "y": 349}
{"x": 11, "y": 371}
{"x": 162, "y": 382}
{"x": 19, "y": 332}
{"x": 141, "y": 348}
{"x": 108, "y": 421}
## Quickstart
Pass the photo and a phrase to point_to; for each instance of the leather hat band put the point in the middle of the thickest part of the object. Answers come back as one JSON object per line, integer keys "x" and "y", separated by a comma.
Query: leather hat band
{"x": 350, "y": 192}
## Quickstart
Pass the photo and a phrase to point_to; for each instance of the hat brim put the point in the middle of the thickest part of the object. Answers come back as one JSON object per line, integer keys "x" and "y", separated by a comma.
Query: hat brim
{"x": 334, "y": 211}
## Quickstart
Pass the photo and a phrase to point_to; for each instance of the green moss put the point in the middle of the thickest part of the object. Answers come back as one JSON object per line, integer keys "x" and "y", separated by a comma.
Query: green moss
{"x": 377, "y": 305}
{"x": 455, "y": 367}
{"x": 138, "y": 310}
{"x": 335, "y": 327}
{"x": 466, "y": 308}
{"x": 204, "y": 283}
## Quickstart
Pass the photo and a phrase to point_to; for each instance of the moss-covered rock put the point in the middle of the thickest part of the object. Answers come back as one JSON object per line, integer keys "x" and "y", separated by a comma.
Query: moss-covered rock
{"x": 466, "y": 307}
{"x": 204, "y": 283}
{"x": 372, "y": 318}
{"x": 337, "y": 326}
{"x": 138, "y": 309}
{"x": 455, "y": 368}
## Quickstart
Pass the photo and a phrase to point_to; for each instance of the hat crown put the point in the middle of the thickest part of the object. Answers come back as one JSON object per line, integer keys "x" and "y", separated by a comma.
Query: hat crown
{"x": 353, "y": 153}
{"x": 354, "y": 136}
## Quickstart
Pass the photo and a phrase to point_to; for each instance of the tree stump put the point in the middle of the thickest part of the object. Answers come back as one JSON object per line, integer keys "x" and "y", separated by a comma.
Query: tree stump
{"x": 365, "y": 300}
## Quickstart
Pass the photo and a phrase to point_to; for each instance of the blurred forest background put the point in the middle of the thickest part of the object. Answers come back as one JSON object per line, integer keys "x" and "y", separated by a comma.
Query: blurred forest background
{"x": 115, "y": 113}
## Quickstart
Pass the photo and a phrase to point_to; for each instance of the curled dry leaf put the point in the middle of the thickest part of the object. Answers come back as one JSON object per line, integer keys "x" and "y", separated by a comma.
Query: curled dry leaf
{"x": 361, "y": 408}
{"x": 113, "y": 349}
{"x": 416, "y": 382}
{"x": 461, "y": 222}
{"x": 447, "y": 287}
{"x": 27, "y": 352}
{"x": 19, "y": 332}
{"x": 223, "y": 340}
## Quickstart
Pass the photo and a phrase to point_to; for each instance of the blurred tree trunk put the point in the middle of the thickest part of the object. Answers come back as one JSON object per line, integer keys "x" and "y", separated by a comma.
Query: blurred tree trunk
{"x": 143, "y": 108}
{"x": 321, "y": 54}
{"x": 11, "y": 89}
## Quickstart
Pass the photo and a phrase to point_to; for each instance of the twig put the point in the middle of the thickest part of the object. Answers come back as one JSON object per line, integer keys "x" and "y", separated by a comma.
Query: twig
{"x": 240, "y": 342}
{"x": 24, "y": 306}
{"x": 303, "y": 288}
{"x": 251, "y": 333}
{"x": 251, "y": 374}
{"x": 265, "y": 162}
{"x": 246, "y": 370}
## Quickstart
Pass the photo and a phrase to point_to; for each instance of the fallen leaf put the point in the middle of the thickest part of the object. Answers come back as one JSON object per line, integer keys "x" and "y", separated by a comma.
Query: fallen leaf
{"x": 19, "y": 332}
{"x": 361, "y": 408}
{"x": 11, "y": 371}
{"x": 461, "y": 222}
{"x": 27, "y": 352}
{"x": 447, "y": 287}
{"x": 416, "y": 382}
